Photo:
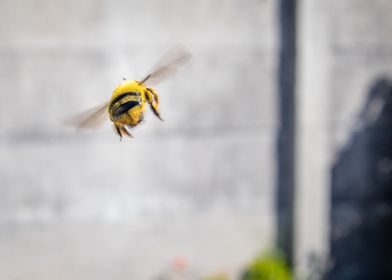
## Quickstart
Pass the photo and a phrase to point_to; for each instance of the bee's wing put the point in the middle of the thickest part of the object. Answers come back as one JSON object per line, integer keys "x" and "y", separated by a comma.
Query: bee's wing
{"x": 167, "y": 66}
{"x": 90, "y": 119}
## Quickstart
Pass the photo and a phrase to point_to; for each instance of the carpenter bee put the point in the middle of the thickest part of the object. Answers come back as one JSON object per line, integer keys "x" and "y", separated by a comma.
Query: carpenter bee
{"x": 129, "y": 100}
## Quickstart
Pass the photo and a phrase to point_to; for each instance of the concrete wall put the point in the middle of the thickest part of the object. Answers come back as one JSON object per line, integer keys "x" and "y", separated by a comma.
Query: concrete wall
{"x": 344, "y": 46}
{"x": 84, "y": 205}
{"x": 199, "y": 185}
{"x": 361, "y": 220}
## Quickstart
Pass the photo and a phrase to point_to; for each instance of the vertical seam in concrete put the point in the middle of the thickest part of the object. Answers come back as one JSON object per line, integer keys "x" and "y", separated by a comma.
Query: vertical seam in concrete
{"x": 286, "y": 82}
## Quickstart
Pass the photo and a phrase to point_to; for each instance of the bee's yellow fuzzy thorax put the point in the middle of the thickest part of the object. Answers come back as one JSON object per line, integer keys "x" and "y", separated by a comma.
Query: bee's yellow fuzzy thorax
{"x": 128, "y": 86}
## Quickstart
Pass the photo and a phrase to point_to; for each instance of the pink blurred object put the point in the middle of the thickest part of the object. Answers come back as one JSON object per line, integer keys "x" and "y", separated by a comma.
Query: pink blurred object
{"x": 180, "y": 263}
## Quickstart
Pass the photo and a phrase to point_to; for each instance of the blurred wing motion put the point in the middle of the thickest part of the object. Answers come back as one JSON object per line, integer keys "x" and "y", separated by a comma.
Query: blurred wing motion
{"x": 92, "y": 118}
{"x": 167, "y": 66}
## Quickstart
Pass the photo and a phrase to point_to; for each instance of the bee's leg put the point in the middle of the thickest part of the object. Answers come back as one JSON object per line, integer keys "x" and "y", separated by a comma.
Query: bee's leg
{"x": 118, "y": 130}
{"x": 122, "y": 130}
{"x": 125, "y": 130}
{"x": 154, "y": 95}
{"x": 153, "y": 99}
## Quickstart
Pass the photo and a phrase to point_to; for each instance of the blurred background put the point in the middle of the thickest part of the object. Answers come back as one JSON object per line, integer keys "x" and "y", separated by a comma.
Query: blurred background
{"x": 276, "y": 143}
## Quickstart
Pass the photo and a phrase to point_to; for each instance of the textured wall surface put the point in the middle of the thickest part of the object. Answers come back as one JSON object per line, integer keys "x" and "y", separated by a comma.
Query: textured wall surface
{"x": 199, "y": 185}
{"x": 345, "y": 47}
{"x": 362, "y": 219}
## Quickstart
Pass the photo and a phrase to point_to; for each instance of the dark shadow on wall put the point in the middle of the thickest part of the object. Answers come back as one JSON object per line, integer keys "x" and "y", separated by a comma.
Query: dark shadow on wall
{"x": 361, "y": 195}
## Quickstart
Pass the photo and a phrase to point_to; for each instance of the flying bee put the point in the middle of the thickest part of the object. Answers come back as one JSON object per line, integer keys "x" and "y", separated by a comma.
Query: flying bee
{"x": 129, "y": 100}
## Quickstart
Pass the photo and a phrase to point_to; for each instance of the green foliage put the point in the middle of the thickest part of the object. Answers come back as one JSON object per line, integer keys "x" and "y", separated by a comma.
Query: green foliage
{"x": 269, "y": 266}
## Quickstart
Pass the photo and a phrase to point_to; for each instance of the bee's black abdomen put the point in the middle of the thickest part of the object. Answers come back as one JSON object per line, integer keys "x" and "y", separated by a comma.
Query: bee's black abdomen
{"x": 123, "y": 103}
{"x": 121, "y": 96}
{"x": 123, "y": 108}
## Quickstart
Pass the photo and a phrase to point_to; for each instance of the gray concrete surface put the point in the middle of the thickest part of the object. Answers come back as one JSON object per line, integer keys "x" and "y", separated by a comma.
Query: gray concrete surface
{"x": 200, "y": 184}
{"x": 345, "y": 46}
{"x": 85, "y": 206}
